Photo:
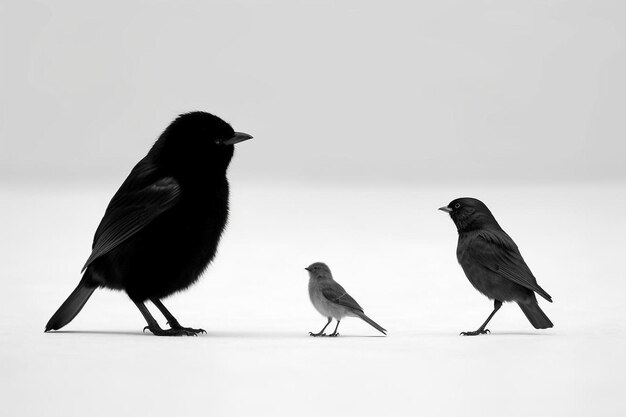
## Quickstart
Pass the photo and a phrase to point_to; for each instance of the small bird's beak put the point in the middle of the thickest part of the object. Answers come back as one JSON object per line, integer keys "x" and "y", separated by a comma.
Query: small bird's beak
{"x": 238, "y": 137}
{"x": 446, "y": 209}
{"x": 307, "y": 268}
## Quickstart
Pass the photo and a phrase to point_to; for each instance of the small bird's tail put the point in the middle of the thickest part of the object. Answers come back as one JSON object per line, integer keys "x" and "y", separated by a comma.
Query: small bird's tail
{"x": 535, "y": 315}
{"x": 72, "y": 306}
{"x": 371, "y": 322}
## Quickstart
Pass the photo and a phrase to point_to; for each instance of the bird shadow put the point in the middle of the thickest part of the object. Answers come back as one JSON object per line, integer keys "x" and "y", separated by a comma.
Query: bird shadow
{"x": 101, "y": 332}
{"x": 520, "y": 334}
{"x": 210, "y": 334}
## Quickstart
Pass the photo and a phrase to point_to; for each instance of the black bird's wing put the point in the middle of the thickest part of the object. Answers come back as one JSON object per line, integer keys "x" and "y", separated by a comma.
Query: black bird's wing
{"x": 336, "y": 294}
{"x": 141, "y": 198}
{"x": 496, "y": 251}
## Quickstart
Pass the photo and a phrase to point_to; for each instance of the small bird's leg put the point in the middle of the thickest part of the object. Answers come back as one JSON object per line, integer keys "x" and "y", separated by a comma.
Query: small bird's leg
{"x": 171, "y": 320}
{"x": 335, "y": 334}
{"x": 481, "y": 330}
{"x": 154, "y": 327}
{"x": 321, "y": 332}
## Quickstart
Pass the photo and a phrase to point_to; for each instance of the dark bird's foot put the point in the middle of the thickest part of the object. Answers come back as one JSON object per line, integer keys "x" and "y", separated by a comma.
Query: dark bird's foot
{"x": 475, "y": 332}
{"x": 177, "y": 331}
{"x": 317, "y": 334}
{"x": 333, "y": 334}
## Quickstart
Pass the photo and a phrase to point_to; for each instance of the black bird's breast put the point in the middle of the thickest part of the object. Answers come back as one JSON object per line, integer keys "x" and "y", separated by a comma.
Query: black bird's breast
{"x": 485, "y": 280}
{"x": 171, "y": 252}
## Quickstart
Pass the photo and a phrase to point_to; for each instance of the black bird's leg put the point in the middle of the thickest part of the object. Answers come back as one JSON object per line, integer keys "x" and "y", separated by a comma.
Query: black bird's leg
{"x": 335, "y": 334}
{"x": 171, "y": 320}
{"x": 481, "y": 330}
{"x": 321, "y": 332}
{"x": 154, "y": 327}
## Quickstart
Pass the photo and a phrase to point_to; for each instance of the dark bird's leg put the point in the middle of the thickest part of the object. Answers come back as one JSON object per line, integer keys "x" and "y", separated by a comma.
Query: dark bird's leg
{"x": 335, "y": 334}
{"x": 154, "y": 327}
{"x": 171, "y": 320}
{"x": 321, "y": 332}
{"x": 481, "y": 330}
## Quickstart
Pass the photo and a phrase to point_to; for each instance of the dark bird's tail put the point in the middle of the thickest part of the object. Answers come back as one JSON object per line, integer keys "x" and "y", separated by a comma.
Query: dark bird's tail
{"x": 535, "y": 315}
{"x": 72, "y": 306}
{"x": 371, "y": 322}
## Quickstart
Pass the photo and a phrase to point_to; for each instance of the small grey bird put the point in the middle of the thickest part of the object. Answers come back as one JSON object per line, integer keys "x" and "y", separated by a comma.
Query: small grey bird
{"x": 332, "y": 301}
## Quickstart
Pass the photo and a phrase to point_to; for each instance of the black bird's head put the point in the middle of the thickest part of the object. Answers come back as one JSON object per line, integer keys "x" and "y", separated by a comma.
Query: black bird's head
{"x": 319, "y": 270}
{"x": 470, "y": 214}
{"x": 197, "y": 140}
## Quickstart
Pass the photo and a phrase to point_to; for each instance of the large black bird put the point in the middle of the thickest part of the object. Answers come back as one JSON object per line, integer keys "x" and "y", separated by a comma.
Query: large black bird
{"x": 493, "y": 264}
{"x": 162, "y": 227}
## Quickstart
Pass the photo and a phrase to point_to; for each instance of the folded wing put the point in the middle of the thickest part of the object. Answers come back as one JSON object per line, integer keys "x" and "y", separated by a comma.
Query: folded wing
{"x": 496, "y": 251}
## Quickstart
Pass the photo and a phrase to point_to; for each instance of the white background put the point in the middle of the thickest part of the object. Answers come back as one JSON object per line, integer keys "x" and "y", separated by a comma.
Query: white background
{"x": 366, "y": 117}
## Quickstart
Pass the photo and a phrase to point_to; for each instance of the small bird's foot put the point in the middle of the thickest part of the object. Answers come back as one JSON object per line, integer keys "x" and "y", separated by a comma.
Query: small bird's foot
{"x": 333, "y": 334}
{"x": 179, "y": 331}
{"x": 317, "y": 334}
{"x": 475, "y": 332}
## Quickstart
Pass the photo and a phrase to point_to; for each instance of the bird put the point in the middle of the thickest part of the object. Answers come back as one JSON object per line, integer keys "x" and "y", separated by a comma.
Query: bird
{"x": 162, "y": 227}
{"x": 332, "y": 301}
{"x": 493, "y": 263}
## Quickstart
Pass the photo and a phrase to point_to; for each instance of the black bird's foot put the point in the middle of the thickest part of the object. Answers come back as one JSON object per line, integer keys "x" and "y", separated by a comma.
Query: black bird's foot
{"x": 475, "y": 332}
{"x": 335, "y": 334}
{"x": 190, "y": 330}
{"x": 179, "y": 331}
{"x": 317, "y": 334}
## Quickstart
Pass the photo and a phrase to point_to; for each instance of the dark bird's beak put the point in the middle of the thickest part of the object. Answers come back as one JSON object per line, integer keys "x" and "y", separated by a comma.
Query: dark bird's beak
{"x": 307, "y": 268}
{"x": 238, "y": 137}
{"x": 446, "y": 209}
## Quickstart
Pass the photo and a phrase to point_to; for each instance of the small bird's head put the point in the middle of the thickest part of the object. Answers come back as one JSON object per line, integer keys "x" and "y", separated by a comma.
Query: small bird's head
{"x": 198, "y": 138}
{"x": 470, "y": 214}
{"x": 319, "y": 270}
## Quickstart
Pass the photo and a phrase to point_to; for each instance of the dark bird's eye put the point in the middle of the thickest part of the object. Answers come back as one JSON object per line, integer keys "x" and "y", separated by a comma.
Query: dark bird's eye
{"x": 457, "y": 205}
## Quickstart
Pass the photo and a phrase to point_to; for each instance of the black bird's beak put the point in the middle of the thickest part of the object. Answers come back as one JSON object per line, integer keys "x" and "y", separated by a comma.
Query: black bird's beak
{"x": 446, "y": 209}
{"x": 307, "y": 268}
{"x": 238, "y": 137}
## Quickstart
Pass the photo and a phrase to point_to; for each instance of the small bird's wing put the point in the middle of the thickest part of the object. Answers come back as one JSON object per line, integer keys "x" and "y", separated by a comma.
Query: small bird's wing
{"x": 140, "y": 200}
{"x": 336, "y": 294}
{"x": 496, "y": 251}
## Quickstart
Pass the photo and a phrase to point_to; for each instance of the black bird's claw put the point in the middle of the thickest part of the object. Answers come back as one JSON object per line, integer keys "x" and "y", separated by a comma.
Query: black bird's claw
{"x": 177, "y": 331}
{"x": 475, "y": 332}
{"x": 317, "y": 334}
{"x": 333, "y": 335}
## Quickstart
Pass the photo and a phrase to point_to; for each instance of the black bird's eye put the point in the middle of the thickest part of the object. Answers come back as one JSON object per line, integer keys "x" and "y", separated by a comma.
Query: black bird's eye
{"x": 457, "y": 205}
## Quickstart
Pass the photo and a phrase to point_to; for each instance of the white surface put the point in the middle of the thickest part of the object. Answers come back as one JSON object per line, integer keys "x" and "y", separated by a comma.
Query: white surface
{"x": 392, "y": 250}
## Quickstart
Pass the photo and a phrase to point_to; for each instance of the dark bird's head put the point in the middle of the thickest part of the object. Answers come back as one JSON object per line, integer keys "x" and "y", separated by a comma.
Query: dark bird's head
{"x": 197, "y": 141}
{"x": 470, "y": 214}
{"x": 319, "y": 270}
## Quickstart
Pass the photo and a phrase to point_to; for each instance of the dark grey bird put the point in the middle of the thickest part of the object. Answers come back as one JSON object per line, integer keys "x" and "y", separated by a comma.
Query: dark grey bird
{"x": 332, "y": 301}
{"x": 162, "y": 227}
{"x": 493, "y": 263}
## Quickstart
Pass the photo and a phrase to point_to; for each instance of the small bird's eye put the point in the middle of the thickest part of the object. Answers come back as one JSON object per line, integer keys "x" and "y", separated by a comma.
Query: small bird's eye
{"x": 457, "y": 205}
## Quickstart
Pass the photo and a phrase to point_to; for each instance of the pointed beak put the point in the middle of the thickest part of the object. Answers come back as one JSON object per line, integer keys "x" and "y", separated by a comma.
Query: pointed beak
{"x": 238, "y": 137}
{"x": 307, "y": 268}
{"x": 446, "y": 209}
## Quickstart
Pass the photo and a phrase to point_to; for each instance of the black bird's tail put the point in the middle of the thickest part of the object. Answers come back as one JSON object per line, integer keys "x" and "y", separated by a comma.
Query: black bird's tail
{"x": 371, "y": 322}
{"x": 72, "y": 306}
{"x": 535, "y": 315}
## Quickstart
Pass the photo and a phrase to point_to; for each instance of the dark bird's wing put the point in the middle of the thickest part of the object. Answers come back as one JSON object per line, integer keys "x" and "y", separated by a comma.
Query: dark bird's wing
{"x": 336, "y": 294}
{"x": 496, "y": 251}
{"x": 141, "y": 198}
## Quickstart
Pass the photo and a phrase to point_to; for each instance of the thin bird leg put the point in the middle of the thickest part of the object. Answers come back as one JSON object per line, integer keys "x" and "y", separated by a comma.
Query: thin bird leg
{"x": 481, "y": 330}
{"x": 321, "y": 332}
{"x": 154, "y": 327}
{"x": 171, "y": 320}
{"x": 335, "y": 334}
